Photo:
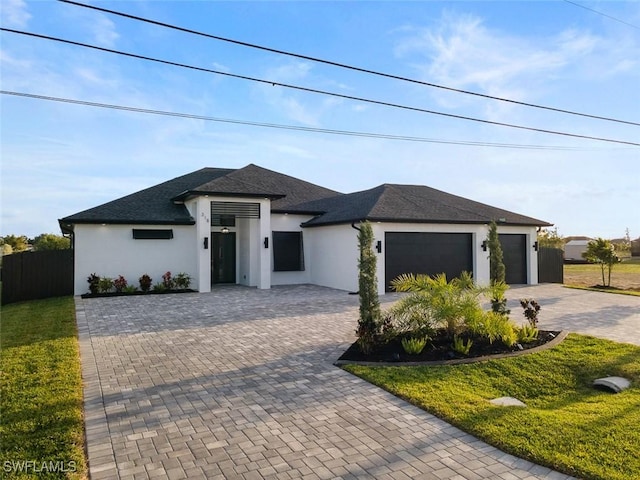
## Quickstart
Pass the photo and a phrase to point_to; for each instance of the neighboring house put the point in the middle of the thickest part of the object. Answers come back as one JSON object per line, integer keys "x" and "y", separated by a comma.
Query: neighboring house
{"x": 574, "y": 249}
{"x": 257, "y": 227}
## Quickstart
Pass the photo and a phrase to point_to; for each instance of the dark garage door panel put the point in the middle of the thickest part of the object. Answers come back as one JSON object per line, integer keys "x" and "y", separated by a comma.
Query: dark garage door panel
{"x": 427, "y": 253}
{"x": 515, "y": 257}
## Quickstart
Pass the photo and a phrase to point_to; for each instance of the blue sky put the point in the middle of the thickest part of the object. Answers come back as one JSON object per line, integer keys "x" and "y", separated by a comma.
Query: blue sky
{"x": 59, "y": 158}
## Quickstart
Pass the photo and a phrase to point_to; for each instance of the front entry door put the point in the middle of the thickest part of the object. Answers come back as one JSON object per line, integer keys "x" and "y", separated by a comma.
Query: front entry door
{"x": 223, "y": 257}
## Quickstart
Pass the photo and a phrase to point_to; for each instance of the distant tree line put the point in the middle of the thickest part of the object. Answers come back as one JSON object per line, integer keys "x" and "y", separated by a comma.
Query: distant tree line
{"x": 45, "y": 241}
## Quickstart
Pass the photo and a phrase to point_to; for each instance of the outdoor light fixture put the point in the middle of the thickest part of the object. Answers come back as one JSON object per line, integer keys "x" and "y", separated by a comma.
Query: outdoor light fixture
{"x": 379, "y": 246}
{"x": 535, "y": 245}
{"x": 224, "y": 230}
{"x": 266, "y": 242}
{"x": 484, "y": 246}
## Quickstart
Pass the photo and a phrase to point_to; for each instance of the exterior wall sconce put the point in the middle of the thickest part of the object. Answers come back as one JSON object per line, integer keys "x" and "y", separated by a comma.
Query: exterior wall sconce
{"x": 535, "y": 245}
{"x": 266, "y": 242}
{"x": 224, "y": 230}
{"x": 206, "y": 243}
{"x": 379, "y": 246}
{"x": 484, "y": 246}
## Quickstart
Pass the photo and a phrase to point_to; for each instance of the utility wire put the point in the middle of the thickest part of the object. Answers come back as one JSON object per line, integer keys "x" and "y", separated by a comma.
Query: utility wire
{"x": 322, "y": 92}
{"x": 603, "y": 14}
{"x": 286, "y": 127}
{"x": 342, "y": 65}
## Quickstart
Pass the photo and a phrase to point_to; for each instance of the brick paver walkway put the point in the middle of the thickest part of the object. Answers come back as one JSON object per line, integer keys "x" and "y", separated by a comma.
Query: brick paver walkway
{"x": 239, "y": 383}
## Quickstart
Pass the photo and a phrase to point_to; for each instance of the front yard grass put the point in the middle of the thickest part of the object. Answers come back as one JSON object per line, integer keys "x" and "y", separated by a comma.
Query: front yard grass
{"x": 567, "y": 424}
{"x": 41, "y": 416}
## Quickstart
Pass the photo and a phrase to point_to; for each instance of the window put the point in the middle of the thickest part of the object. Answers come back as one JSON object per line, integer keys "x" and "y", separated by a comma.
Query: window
{"x": 288, "y": 253}
{"x": 152, "y": 234}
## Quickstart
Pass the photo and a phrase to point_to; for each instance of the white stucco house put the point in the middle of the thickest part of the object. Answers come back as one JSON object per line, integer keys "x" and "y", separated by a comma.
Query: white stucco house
{"x": 257, "y": 227}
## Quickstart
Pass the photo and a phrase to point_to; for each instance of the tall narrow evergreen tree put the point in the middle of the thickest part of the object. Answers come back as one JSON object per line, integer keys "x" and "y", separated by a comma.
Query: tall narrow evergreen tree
{"x": 496, "y": 260}
{"x": 369, "y": 320}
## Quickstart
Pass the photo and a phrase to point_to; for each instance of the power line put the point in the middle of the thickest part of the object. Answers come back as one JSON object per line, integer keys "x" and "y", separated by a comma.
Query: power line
{"x": 599, "y": 13}
{"x": 342, "y": 65}
{"x": 350, "y": 133}
{"x": 321, "y": 92}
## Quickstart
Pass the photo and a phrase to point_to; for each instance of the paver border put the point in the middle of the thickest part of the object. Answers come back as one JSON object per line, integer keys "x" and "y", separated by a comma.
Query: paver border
{"x": 459, "y": 361}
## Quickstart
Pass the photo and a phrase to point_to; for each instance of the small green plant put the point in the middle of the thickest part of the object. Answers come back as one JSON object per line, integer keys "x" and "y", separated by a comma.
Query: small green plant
{"x": 531, "y": 310}
{"x": 527, "y": 333}
{"x": 145, "y": 283}
{"x": 413, "y": 345}
{"x": 182, "y": 280}
{"x": 129, "y": 289}
{"x": 120, "y": 283}
{"x": 459, "y": 345}
{"x": 498, "y": 300}
{"x": 159, "y": 287}
{"x": 509, "y": 336}
{"x": 105, "y": 284}
{"x": 94, "y": 283}
{"x": 167, "y": 281}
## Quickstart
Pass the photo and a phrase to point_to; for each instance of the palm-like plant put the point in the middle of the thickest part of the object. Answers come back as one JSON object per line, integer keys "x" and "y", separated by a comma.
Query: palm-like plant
{"x": 435, "y": 302}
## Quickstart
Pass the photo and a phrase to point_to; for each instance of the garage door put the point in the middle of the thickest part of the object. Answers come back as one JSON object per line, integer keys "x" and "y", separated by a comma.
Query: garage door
{"x": 515, "y": 257}
{"x": 428, "y": 253}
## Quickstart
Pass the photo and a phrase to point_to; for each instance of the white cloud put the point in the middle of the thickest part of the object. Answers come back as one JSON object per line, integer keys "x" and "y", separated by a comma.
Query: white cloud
{"x": 462, "y": 52}
{"x": 15, "y": 13}
{"x": 104, "y": 31}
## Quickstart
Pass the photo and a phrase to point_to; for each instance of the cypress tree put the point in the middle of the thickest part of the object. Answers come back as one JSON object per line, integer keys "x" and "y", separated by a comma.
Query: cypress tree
{"x": 496, "y": 260}
{"x": 370, "y": 314}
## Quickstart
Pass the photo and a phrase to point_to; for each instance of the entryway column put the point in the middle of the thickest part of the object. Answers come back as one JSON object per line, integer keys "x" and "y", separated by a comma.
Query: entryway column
{"x": 203, "y": 243}
{"x": 264, "y": 257}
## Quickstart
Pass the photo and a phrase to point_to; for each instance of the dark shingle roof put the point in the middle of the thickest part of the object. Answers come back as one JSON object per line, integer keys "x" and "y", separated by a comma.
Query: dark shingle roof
{"x": 161, "y": 204}
{"x": 157, "y": 204}
{"x": 410, "y": 203}
{"x": 252, "y": 180}
{"x": 151, "y": 205}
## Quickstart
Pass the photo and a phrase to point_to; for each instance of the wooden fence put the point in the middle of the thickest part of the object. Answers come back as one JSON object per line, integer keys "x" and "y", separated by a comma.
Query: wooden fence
{"x": 32, "y": 275}
{"x": 550, "y": 265}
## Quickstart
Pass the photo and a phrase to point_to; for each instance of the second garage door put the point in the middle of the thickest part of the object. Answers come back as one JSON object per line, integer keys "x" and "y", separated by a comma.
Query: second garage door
{"x": 427, "y": 253}
{"x": 515, "y": 257}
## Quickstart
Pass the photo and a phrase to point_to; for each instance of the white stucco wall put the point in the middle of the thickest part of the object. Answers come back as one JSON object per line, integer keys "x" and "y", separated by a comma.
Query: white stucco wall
{"x": 334, "y": 256}
{"x": 110, "y": 250}
{"x": 281, "y": 222}
{"x": 334, "y": 251}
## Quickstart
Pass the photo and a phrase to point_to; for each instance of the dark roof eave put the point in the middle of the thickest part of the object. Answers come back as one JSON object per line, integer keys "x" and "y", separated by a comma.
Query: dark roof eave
{"x": 198, "y": 193}
{"x": 298, "y": 212}
{"x": 67, "y": 224}
{"x": 398, "y": 220}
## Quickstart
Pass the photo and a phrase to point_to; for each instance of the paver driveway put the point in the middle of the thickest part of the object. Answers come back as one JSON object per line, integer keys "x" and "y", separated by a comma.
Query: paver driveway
{"x": 239, "y": 383}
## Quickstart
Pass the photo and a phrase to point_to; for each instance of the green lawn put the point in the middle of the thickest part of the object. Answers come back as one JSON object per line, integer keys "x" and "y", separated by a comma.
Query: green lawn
{"x": 568, "y": 425}
{"x": 41, "y": 419}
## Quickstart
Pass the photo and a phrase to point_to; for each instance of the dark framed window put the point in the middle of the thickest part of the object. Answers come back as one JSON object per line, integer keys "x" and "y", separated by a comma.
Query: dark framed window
{"x": 288, "y": 252}
{"x": 152, "y": 234}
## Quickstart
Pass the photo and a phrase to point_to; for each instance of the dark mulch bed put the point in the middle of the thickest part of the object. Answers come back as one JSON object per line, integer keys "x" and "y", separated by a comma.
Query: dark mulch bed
{"x": 137, "y": 292}
{"x": 440, "y": 349}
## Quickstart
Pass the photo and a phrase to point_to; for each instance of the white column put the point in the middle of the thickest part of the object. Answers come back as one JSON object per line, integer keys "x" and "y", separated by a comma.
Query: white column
{"x": 203, "y": 229}
{"x": 264, "y": 255}
{"x": 532, "y": 258}
{"x": 481, "y": 270}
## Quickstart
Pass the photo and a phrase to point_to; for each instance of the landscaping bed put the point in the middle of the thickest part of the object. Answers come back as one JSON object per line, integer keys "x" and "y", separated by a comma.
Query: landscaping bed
{"x": 137, "y": 292}
{"x": 440, "y": 349}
